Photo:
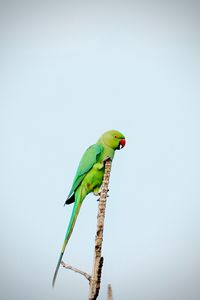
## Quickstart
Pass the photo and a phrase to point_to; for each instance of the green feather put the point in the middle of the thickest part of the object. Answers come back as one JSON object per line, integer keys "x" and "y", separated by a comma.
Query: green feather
{"x": 87, "y": 161}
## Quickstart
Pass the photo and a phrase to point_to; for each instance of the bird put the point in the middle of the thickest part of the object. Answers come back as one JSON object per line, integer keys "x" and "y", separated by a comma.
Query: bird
{"x": 89, "y": 178}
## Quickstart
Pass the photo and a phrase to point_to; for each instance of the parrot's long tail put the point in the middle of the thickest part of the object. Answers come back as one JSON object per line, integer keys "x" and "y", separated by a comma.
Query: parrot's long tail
{"x": 76, "y": 209}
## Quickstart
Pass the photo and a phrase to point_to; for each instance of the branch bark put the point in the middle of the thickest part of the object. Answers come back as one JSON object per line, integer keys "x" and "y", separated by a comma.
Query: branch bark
{"x": 110, "y": 297}
{"x": 95, "y": 280}
{"x": 66, "y": 266}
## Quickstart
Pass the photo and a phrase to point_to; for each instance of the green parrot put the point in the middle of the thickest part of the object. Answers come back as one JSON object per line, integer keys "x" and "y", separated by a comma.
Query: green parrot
{"x": 89, "y": 177}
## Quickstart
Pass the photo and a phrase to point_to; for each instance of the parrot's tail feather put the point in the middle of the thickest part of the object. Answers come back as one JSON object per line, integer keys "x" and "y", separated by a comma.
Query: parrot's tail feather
{"x": 76, "y": 209}
{"x": 57, "y": 268}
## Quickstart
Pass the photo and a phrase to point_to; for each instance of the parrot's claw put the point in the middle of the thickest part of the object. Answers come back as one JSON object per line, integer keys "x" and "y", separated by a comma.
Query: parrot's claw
{"x": 99, "y": 193}
{"x": 100, "y": 196}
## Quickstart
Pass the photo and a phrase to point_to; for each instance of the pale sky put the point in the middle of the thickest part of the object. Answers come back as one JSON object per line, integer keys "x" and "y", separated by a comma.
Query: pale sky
{"x": 71, "y": 70}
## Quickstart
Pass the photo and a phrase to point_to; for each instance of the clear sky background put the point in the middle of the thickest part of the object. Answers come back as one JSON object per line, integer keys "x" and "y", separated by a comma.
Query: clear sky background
{"x": 70, "y": 70}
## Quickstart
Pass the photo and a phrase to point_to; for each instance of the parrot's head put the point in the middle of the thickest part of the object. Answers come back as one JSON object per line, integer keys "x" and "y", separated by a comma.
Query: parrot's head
{"x": 114, "y": 139}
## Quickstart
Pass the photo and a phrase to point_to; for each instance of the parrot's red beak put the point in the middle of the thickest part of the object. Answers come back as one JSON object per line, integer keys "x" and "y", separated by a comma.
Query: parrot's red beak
{"x": 122, "y": 143}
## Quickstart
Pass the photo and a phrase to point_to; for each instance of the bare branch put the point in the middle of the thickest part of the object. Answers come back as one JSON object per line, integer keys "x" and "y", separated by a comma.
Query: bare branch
{"x": 66, "y": 266}
{"x": 98, "y": 259}
{"x": 110, "y": 297}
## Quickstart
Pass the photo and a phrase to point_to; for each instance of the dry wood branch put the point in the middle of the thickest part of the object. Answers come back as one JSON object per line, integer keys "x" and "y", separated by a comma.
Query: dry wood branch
{"x": 110, "y": 297}
{"x": 98, "y": 259}
{"x": 66, "y": 266}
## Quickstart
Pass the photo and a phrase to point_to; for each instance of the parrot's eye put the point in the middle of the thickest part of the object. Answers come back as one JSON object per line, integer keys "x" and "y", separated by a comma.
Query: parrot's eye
{"x": 115, "y": 136}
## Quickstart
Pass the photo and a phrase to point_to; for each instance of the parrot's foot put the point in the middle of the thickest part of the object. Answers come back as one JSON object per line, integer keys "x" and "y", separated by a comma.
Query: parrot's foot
{"x": 96, "y": 191}
{"x": 99, "y": 194}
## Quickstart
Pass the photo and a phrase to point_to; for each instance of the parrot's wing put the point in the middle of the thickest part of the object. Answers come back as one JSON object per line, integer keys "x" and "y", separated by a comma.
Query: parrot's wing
{"x": 87, "y": 161}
